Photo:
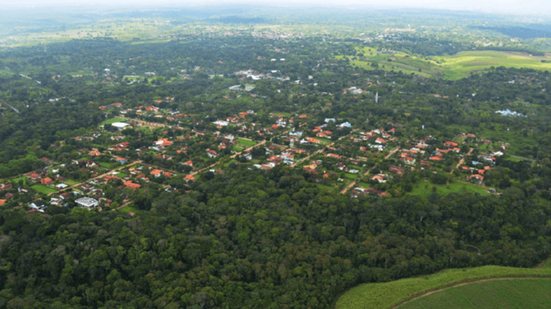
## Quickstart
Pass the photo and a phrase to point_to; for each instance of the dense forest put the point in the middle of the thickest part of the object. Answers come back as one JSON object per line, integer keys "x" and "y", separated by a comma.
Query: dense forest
{"x": 253, "y": 240}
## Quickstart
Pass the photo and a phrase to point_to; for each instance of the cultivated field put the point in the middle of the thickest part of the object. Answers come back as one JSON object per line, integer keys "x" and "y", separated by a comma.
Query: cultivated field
{"x": 391, "y": 294}
{"x": 498, "y": 293}
{"x": 451, "y": 67}
{"x": 462, "y": 64}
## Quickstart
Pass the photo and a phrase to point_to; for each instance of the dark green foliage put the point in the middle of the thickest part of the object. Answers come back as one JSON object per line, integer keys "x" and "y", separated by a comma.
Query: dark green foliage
{"x": 249, "y": 240}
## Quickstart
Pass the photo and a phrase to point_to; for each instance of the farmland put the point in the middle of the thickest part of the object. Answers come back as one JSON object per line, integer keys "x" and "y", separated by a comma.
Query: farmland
{"x": 450, "y": 67}
{"x": 506, "y": 293}
{"x": 390, "y": 294}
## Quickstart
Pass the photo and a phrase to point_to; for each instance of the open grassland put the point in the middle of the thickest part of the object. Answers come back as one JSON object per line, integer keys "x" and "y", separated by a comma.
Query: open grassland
{"x": 426, "y": 188}
{"x": 462, "y": 64}
{"x": 391, "y": 294}
{"x": 499, "y": 293}
{"x": 451, "y": 67}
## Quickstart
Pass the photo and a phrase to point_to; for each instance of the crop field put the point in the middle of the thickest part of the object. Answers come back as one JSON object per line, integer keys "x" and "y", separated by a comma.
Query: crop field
{"x": 451, "y": 67}
{"x": 462, "y": 64}
{"x": 505, "y": 293}
{"x": 393, "y": 293}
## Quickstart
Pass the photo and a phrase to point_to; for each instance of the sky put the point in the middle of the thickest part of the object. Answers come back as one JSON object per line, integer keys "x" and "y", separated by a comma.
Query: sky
{"x": 522, "y": 7}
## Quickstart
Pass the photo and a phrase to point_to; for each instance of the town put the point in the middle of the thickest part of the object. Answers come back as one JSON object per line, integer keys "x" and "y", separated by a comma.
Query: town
{"x": 155, "y": 145}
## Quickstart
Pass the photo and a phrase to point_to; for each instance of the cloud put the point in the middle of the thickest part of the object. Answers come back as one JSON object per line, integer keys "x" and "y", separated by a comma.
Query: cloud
{"x": 529, "y": 7}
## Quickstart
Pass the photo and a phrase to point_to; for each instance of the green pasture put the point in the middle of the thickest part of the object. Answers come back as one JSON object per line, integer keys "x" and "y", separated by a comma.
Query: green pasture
{"x": 393, "y": 293}
{"x": 425, "y": 188}
{"x": 43, "y": 189}
{"x": 510, "y": 293}
{"x": 451, "y": 67}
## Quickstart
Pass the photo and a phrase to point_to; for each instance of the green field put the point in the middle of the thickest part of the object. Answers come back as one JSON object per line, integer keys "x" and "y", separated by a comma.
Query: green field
{"x": 450, "y": 66}
{"x": 242, "y": 144}
{"x": 501, "y": 293}
{"x": 43, "y": 189}
{"x": 425, "y": 188}
{"x": 393, "y": 293}
{"x": 113, "y": 120}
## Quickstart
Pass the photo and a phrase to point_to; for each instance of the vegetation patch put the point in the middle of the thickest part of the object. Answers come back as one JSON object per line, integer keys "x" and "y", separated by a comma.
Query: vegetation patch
{"x": 43, "y": 189}
{"x": 426, "y": 188}
{"x": 497, "y": 293}
{"x": 390, "y": 294}
{"x": 113, "y": 120}
{"x": 451, "y": 67}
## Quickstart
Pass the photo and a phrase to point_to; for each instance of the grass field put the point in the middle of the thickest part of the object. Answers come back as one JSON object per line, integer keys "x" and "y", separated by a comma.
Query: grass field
{"x": 390, "y": 294}
{"x": 515, "y": 293}
{"x": 71, "y": 182}
{"x": 451, "y": 67}
{"x": 43, "y": 189}
{"x": 462, "y": 64}
{"x": 113, "y": 120}
{"x": 425, "y": 188}
{"x": 242, "y": 144}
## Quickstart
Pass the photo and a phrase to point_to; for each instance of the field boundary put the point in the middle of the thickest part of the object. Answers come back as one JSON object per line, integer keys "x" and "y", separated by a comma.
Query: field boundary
{"x": 455, "y": 284}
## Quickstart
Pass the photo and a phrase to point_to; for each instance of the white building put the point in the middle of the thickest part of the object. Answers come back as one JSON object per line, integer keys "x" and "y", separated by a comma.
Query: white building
{"x": 120, "y": 125}
{"x": 87, "y": 202}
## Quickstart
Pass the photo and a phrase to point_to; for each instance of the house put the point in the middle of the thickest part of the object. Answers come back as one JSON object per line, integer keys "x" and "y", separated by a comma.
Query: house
{"x": 94, "y": 152}
{"x": 328, "y": 120}
{"x": 377, "y": 147}
{"x": 311, "y": 168}
{"x": 333, "y": 156}
{"x": 380, "y": 178}
{"x": 312, "y": 140}
{"x": 450, "y": 144}
{"x": 6, "y": 186}
{"x": 325, "y": 133}
{"x": 34, "y": 175}
{"x": 121, "y": 160}
{"x": 380, "y": 141}
{"x": 396, "y": 170}
{"x": 156, "y": 173}
{"x": 212, "y": 153}
{"x": 189, "y": 178}
{"x": 38, "y": 206}
{"x": 131, "y": 185}
{"x": 221, "y": 123}
{"x": 3, "y": 202}
{"x": 436, "y": 158}
{"x": 163, "y": 142}
{"x": 87, "y": 202}
{"x": 476, "y": 178}
{"x": 188, "y": 163}
{"x": 61, "y": 186}
{"x": 345, "y": 125}
{"x": 46, "y": 181}
{"x": 409, "y": 160}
